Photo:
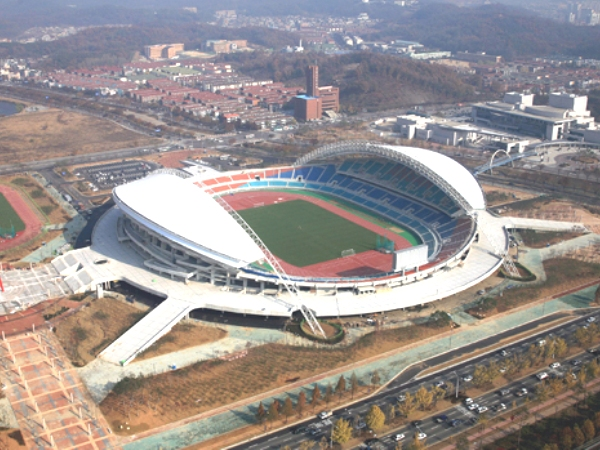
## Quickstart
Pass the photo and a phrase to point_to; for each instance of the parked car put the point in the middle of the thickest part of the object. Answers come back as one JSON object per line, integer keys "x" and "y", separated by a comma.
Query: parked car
{"x": 325, "y": 414}
{"x": 468, "y": 378}
{"x": 555, "y": 365}
{"x": 541, "y": 376}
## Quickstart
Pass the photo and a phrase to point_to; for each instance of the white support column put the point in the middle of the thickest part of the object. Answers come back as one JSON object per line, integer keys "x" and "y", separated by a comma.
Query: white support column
{"x": 99, "y": 291}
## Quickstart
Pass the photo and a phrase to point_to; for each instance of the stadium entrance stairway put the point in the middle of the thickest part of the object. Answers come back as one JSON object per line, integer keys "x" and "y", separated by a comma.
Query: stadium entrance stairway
{"x": 147, "y": 331}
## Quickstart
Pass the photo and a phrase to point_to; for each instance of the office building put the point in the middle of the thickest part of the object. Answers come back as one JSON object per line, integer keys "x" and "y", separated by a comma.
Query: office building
{"x": 307, "y": 108}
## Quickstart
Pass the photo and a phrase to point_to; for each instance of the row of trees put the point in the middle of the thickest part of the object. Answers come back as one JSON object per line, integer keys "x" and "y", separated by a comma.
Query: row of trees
{"x": 276, "y": 410}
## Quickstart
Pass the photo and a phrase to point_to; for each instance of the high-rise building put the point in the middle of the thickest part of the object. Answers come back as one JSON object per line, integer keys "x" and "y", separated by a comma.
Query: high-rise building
{"x": 307, "y": 108}
{"x": 312, "y": 81}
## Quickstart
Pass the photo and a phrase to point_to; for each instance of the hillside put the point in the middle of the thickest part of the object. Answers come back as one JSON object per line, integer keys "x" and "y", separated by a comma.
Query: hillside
{"x": 366, "y": 80}
{"x": 495, "y": 29}
{"x": 118, "y": 45}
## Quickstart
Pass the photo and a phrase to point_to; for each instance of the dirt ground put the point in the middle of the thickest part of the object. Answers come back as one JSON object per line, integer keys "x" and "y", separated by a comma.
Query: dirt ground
{"x": 11, "y": 440}
{"x": 183, "y": 335}
{"x": 14, "y": 255}
{"x": 496, "y": 195}
{"x": 162, "y": 399}
{"x": 54, "y": 133}
{"x": 90, "y": 330}
{"x": 540, "y": 239}
{"x": 558, "y": 210}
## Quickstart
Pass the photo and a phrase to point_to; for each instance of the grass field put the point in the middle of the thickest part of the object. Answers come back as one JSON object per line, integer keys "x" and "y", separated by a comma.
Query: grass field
{"x": 9, "y": 217}
{"x": 302, "y": 233}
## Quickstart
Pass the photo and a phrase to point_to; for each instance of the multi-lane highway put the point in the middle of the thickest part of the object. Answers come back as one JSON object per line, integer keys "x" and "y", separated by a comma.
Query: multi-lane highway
{"x": 437, "y": 431}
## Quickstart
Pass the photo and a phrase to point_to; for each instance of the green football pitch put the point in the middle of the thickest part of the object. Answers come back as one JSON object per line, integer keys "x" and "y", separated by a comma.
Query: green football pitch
{"x": 302, "y": 233}
{"x": 9, "y": 217}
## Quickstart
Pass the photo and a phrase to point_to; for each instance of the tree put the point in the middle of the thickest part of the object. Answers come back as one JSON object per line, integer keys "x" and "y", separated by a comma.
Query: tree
{"x": 423, "y": 397}
{"x": 560, "y": 347}
{"x": 578, "y": 437}
{"x": 316, "y": 396}
{"x": 273, "y": 413}
{"x": 462, "y": 443}
{"x": 417, "y": 444}
{"x": 375, "y": 418}
{"x": 340, "y": 387}
{"x": 593, "y": 369}
{"x": 550, "y": 447}
{"x": 597, "y": 420}
{"x": 437, "y": 393}
{"x": 301, "y": 403}
{"x": 353, "y": 384}
{"x": 390, "y": 412}
{"x": 480, "y": 376}
{"x": 589, "y": 430}
{"x": 328, "y": 394}
{"x": 407, "y": 406}
{"x": 288, "y": 408}
{"x": 306, "y": 445}
{"x": 375, "y": 378}
{"x": 566, "y": 442}
{"x": 342, "y": 432}
{"x": 261, "y": 414}
{"x": 542, "y": 392}
{"x": 323, "y": 444}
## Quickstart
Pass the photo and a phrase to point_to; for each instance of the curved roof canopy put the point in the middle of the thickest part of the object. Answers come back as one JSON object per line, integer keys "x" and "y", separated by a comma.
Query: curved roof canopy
{"x": 450, "y": 176}
{"x": 184, "y": 213}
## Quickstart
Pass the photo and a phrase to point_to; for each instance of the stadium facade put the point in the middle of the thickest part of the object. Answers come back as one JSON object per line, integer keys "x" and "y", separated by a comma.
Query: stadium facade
{"x": 173, "y": 221}
{"x": 174, "y": 234}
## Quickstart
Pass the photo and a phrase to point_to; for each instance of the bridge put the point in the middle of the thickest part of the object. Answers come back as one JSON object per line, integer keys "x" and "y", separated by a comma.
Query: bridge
{"x": 503, "y": 161}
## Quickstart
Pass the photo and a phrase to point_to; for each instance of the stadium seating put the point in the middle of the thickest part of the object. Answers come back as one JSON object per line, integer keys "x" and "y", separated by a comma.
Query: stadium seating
{"x": 391, "y": 189}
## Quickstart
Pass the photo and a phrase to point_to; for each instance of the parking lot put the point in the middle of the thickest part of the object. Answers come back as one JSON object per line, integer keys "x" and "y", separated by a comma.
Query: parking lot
{"x": 108, "y": 176}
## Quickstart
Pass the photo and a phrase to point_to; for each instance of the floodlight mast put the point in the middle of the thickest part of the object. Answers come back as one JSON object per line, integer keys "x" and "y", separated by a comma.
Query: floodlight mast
{"x": 284, "y": 278}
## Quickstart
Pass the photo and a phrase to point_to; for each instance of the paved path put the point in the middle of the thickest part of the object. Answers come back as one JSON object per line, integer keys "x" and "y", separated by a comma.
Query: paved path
{"x": 230, "y": 418}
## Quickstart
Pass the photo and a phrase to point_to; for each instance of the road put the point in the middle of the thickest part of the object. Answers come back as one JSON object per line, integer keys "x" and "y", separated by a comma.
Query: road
{"x": 407, "y": 382}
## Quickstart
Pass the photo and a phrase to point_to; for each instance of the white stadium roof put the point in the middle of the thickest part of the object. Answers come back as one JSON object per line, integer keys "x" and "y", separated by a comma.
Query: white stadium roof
{"x": 449, "y": 175}
{"x": 183, "y": 212}
{"x": 455, "y": 174}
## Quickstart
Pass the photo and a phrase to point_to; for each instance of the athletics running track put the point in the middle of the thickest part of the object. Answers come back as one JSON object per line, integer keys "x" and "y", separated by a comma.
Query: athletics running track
{"x": 33, "y": 225}
{"x": 366, "y": 263}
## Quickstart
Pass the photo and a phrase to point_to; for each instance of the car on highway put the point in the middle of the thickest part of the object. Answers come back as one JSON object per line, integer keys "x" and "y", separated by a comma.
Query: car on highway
{"x": 499, "y": 407}
{"x": 468, "y": 378}
{"x": 421, "y": 436}
{"x": 576, "y": 362}
{"x": 482, "y": 409}
{"x": 325, "y": 414}
{"x": 440, "y": 419}
{"x": 473, "y": 407}
{"x": 521, "y": 392}
{"x": 504, "y": 392}
{"x": 402, "y": 397}
{"x": 456, "y": 422}
{"x": 440, "y": 384}
{"x": 591, "y": 319}
{"x": 555, "y": 365}
{"x": 399, "y": 437}
{"x": 504, "y": 353}
{"x": 299, "y": 430}
{"x": 541, "y": 376}
{"x": 468, "y": 401}
{"x": 417, "y": 423}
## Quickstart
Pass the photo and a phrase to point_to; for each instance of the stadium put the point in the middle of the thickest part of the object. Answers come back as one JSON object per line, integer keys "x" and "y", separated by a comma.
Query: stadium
{"x": 351, "y": 228}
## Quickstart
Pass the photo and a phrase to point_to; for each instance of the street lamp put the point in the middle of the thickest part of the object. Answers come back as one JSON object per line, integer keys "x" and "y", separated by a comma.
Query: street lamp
{"x": 457, "y": 382}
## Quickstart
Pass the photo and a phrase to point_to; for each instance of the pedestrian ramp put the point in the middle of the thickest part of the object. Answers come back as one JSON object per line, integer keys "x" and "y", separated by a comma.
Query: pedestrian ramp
{"x": 143, "y": 334}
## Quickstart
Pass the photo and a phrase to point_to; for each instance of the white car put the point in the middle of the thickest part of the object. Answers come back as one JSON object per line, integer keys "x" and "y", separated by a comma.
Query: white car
{"x": 473, "y": 407}
{"x": 399, "y": 437}
{"x": 500, "y": 407}
{"x": 468, "y": 378}
{"x": 591, "y": 319}
{"x": 482, "y": 409}
{"x": 542, "y": 376}
{"x": 421, "y": 436}
{"x": 468, "y": 401}
{"x": 555, "y": 365}
{"x": 325, "y": 414}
